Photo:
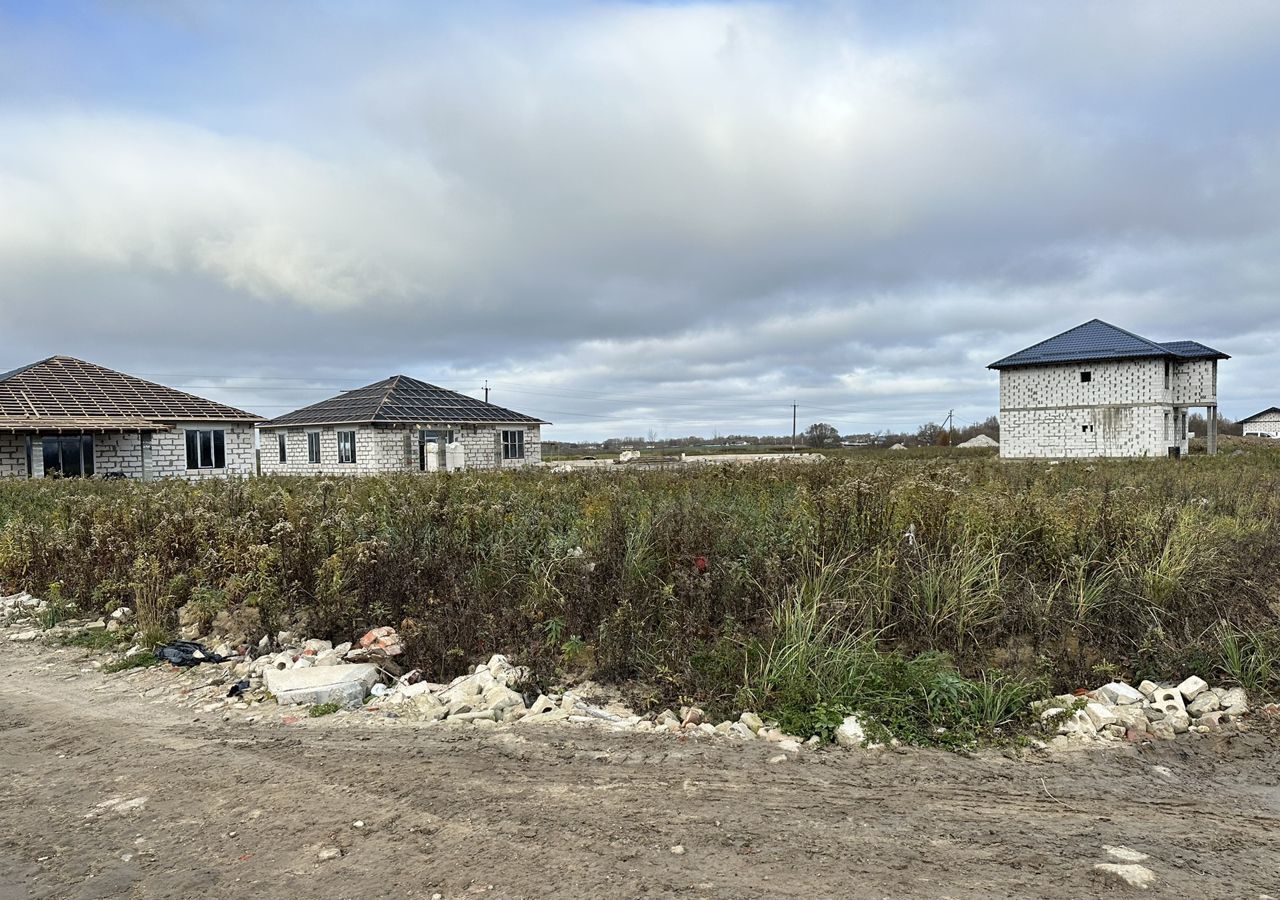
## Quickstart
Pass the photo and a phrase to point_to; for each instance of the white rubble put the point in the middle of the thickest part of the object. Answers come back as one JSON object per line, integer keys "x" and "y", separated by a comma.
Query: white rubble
{"x": 1117, "y": 711}
{"x": 1128, "y": 874}
{"x": 345, "y": 685}
{"x": 851, "y": 733}
{"x": 1192, "y": 688}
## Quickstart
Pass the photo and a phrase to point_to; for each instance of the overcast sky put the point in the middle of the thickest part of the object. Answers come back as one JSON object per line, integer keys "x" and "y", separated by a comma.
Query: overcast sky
{"x": 677, "y": 217}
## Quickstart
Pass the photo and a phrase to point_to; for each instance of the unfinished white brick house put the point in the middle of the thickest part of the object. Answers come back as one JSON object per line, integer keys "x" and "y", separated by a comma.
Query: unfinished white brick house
{"x": 1098, "y": 390}
{"x": 399, "y": 424}
{"x": 1263, "y": 424}
{"x": 63, "y": 416}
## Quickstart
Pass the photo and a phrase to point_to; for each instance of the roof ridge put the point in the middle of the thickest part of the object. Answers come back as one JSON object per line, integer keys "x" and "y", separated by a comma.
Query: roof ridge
{"x": 392, "y": 383}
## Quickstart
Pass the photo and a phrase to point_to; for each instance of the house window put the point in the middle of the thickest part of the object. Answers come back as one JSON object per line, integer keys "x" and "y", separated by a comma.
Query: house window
{"x": 346, "y": 446}
{"x": 1167, "y": 374}
{"x": 313, "y": 447}
{"x": 1086, "y": 428}
{"x": 206, "y": 449}
{"x": 1086, "y": 377}
{"x": 70, "y": 456}
{"x": 513, "y": 445}
{"x": 284, "y": 451}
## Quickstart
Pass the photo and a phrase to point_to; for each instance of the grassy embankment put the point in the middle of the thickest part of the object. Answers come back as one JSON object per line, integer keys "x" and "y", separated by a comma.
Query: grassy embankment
{"x": 930, "y": 593}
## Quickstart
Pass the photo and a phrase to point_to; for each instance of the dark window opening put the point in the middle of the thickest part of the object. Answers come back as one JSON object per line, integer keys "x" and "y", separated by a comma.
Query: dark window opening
{"x": 1086, "y": 377}
{"x": 70, "y": 456}
{"x": 206, "y": 449}
{"x": 513, "y": 445}
{"x": 313, "y": 447}
{"x": 346, "y": 446}
{"x": 283, "y": 441}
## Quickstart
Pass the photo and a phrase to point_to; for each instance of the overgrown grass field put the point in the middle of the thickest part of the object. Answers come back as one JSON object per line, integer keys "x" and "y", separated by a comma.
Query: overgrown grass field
{"x": 929, "y": 592}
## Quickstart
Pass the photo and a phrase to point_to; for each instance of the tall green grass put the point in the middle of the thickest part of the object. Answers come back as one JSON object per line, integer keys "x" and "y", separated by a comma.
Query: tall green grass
{"x": 722, "y": 585}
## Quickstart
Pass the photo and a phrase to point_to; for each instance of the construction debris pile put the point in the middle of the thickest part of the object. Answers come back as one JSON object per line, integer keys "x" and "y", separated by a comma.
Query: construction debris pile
{"x": 366, "y": 676}
{"x": 1121, "y": 712}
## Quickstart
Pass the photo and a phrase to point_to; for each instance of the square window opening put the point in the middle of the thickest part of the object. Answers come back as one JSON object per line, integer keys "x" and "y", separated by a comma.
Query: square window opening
{"x": 1086, "y": 377}
{"x": 513, "y": 445}
{"x": 206, "y": 448}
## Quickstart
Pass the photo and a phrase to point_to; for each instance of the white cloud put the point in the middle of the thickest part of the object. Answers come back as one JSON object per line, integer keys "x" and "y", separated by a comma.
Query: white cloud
{"x": 715, "y": 203}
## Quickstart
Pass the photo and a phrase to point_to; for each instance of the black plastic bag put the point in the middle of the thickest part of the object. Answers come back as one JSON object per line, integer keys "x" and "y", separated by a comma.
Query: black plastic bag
{"x": 185, "y": 654}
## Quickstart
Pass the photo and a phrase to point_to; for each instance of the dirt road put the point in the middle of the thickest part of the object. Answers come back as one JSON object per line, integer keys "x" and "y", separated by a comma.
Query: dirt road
{"x": 110, "y": 795}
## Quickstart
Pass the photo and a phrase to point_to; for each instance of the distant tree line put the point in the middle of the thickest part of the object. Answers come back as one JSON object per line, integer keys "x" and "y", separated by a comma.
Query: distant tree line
{"x": 823, "y": 435}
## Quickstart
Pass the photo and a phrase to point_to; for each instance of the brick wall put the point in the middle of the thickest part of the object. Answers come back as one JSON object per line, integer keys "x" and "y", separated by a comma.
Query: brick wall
{"x": 384, "y": 450}
{"x": 1126, "y": 408}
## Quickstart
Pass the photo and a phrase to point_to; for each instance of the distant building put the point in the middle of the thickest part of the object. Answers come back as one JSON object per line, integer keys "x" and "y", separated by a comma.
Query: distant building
{"x": 980, "y": 440}
{"x": 66, "y": 417}
{"x": 1263, "y": 424}
{"x": 1098, "y": 390}
{"x": 399, "y": 424}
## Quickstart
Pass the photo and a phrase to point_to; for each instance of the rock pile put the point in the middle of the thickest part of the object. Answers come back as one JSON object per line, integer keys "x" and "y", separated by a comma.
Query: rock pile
{"x": 20, "y": 607}
{"x": 1118, "y": 711}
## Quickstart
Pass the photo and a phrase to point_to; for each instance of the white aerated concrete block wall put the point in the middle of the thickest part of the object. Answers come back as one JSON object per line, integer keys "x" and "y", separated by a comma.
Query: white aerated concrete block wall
{"x": 13, "y": 456}
{"x": 1126, "y": 408}
{"x": 121, "y": 453}
{"x": 387, "y": 450}
{"x": 1263, "y": 426}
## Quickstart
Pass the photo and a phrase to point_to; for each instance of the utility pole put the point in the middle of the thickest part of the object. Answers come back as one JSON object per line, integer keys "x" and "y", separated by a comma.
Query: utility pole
{"x": 951, "y": 427}
{"x": 486, "y": 390}
{"x": 793, "y": 427}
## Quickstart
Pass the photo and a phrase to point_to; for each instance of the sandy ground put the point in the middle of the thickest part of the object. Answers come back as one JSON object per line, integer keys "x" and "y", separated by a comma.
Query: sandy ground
{"x": 106, "y": 794}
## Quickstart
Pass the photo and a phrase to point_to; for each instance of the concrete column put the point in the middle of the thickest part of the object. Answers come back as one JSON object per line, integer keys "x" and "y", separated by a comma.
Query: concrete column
{"x": 1211, "y": 414}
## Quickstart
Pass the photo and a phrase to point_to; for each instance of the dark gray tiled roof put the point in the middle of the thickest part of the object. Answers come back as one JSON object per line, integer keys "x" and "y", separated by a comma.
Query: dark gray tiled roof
{"x": 64, "y": 392}
{"x": 1098, "y": 340}
{"x": 401, "y": 399}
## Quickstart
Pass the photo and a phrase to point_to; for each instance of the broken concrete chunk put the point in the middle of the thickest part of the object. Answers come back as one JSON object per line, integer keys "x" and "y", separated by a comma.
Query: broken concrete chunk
{"x": 1099, "y": 715}
{"x": 752, "y": 721}
{"x": 1121, "y": 694}
{"x": 1168, "y": 701}
{"x": 1128, "y": 874}
{"x": 542, "y": 705}
{"x": 851, "y": 733}
{"x": 1206, "y": 702}
{"x": 1147, "y": 688}
{"x": 1235, "y": 702}
{"x": 1124, "y": 854}
{"x": 344, "y": 685}
{"x": 1193, "y": 687}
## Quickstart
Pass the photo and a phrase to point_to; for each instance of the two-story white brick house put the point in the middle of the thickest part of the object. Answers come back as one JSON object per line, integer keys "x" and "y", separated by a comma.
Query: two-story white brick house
{"x": 1263, "y": 424}
{"x": 64, "y": 416}
{"x": 1098, "y": 390}
{"x": 399, "y": 424}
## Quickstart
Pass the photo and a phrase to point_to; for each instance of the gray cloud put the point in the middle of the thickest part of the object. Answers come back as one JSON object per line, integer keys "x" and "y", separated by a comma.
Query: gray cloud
{"x": 683, "y": 217}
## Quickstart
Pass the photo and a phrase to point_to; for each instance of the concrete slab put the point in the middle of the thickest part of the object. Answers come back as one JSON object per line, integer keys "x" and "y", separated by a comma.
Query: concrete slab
{"x": 344, "y": 685}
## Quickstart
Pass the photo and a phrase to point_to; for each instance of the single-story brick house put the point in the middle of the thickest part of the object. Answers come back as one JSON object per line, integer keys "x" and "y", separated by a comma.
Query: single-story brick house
{"x": 1263, "y": 424}
{"x": 68, "y": 417}
{"x": 399, "y": 424}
